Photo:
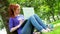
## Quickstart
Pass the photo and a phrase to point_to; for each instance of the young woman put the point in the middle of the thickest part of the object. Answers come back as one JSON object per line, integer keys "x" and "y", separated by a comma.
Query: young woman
{"x": 16, "y": 20}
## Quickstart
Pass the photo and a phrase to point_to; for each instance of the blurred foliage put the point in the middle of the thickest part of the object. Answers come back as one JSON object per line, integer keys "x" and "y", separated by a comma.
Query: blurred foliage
{"x": 1, "y": 23}
{"x": 56, "y": 22}
{"x": 46, "y": 9}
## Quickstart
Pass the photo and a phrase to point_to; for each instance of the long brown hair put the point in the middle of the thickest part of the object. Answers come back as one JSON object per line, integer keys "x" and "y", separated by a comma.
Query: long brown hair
{"x": 12, "y": 8}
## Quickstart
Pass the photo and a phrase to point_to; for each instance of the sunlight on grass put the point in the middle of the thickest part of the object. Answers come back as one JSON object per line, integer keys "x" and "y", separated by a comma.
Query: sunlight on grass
{"x": 55, "y": 31}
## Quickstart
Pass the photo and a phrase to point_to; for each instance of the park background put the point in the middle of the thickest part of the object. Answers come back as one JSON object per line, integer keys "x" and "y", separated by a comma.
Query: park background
{"x": 47, "y": 10}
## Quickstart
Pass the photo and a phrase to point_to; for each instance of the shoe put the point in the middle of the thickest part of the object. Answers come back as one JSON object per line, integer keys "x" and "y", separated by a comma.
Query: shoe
{"x": 43, "y": 30}
{"x": 48, "y": 29}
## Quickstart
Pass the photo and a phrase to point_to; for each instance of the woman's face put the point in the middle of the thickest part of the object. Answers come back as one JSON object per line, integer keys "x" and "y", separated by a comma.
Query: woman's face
{"x": 17, "y": 10}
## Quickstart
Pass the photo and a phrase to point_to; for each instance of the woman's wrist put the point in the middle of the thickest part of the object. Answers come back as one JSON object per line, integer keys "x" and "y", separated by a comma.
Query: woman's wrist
{"x": 18, "y": 26}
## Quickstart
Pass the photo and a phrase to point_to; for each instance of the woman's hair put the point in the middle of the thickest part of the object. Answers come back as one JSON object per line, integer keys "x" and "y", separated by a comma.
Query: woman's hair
{"x": 12, "y": 8}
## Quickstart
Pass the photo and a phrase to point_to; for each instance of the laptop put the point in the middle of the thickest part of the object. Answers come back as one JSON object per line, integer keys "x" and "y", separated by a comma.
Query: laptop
{"x": 28, "y": 11}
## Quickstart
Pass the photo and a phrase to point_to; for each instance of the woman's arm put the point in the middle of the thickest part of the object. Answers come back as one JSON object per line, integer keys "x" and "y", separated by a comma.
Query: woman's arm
{"x": 16, "y": 27}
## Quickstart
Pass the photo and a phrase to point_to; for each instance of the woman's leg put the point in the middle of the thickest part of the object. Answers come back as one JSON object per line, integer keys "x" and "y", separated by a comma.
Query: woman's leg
{"x": 39, "y": 20}
{"x": 35, "y": 23}
{"x": 27, "y": 29}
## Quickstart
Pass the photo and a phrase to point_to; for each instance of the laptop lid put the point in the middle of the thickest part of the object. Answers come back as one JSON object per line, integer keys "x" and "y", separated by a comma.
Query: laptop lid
{"x": 28, "y": 11}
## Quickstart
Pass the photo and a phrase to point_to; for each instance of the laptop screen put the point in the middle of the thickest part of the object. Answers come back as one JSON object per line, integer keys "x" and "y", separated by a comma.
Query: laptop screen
{"x": 28, "y": 11}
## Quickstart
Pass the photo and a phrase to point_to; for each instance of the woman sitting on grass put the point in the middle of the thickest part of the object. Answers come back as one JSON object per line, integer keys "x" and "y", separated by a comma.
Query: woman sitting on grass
{"x": 16, "y": 21}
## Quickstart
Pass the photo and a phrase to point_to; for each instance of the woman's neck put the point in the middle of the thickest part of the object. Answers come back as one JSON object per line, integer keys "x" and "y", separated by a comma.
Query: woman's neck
{"x": 16, "y": 15}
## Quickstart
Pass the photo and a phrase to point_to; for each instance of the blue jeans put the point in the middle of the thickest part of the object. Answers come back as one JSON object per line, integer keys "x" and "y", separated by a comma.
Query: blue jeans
{"x": 33, "y": 22}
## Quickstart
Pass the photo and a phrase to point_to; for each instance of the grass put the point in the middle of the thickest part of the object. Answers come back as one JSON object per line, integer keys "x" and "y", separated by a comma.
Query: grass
{"x": 55, "y": 31}
{"x": 56, "y": 28}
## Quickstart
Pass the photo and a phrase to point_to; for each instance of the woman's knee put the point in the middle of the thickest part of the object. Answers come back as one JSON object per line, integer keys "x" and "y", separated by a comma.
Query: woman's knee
{"x": 31, "y": 17}
{"x": 35, "y": 15}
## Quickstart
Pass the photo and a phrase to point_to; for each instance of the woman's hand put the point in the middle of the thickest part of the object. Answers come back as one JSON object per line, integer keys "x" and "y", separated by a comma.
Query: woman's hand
{"x": 16, "y": 27}
{"x": 21, "y": 22}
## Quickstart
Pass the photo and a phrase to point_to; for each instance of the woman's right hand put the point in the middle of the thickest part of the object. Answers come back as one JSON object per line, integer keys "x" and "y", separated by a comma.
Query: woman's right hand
{"x": 20, "y": 23}
{"x": 16, "y": 27}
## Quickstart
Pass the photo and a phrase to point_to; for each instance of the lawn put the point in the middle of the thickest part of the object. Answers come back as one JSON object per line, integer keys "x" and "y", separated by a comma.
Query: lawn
{"x": 55, "y": 31}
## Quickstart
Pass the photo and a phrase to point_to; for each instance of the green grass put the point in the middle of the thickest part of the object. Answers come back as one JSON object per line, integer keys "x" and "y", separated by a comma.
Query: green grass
{"x": 55, "y": 31}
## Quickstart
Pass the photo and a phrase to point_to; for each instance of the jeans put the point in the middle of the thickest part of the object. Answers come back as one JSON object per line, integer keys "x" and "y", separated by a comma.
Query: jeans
{"x": 33, "y": 22}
